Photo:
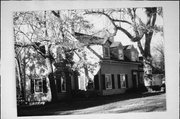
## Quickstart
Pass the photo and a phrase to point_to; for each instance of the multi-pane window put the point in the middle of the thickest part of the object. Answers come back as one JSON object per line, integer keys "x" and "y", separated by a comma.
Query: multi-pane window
{"x": 38, "y": 85}
{"x": 122, "y": 80}
{"x": 106, "y": 52}
{"x": 108, "y": 81}
{"x": 121, "y": 55}
{"x": 63, "y": 84}
{"x": 134, "y": 56}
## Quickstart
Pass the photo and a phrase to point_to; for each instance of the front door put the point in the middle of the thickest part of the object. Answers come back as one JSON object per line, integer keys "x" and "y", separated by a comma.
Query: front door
{"x": 135, "y": 79}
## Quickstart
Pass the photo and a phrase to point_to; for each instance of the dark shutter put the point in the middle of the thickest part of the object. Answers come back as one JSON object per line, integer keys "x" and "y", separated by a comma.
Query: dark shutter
{"x": 119, "y": 81}
{"x": 126, "y": 77}
{"x": 67, "y": 79}
{"x": 58, "y": 82}
{"x": 44, "y": 85}
{"x": 32, "y": 86}
{"x": 76, "y": 80}
{"x": 103, "y": 81}
{"x": 96, "y": 82}
{"x": 112, "y": 77}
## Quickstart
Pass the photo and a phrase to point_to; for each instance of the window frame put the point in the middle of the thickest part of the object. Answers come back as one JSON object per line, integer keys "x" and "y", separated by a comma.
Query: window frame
{"x": 123, "y": 81}
{"x": 108, "y": 52}
{"x": 40, "y": 80}
{"x": 120, "y": 54}
{"x": 63, "y": 79}
{"x": 108, "y": 86}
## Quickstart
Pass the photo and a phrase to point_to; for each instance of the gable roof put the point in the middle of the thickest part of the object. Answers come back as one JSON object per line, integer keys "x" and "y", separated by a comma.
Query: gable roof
{"x": 130, "y": 47}
{"x": 90, "y": 39}
{"x": 126, "y": 47}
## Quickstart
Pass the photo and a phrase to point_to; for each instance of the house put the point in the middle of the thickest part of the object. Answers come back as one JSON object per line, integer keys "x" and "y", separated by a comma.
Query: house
{"x": 119, "y": 67}
{"x": 113, "y": 69}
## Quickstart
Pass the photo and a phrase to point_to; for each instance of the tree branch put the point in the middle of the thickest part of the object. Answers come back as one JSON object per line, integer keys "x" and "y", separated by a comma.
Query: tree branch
{"x": 140, "y": 47}
{"x": 56, "y": 13}
{"x": 31, "y": 45}
{"x": 135, "y": 39}
{"x": 124, "y": 21}
{"x": 94, "y": 52}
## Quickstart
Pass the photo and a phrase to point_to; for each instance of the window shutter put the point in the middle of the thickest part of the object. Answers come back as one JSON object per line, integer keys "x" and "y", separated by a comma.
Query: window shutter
{"x": 119, "y": 81}
{"x": 58, "y": 82}
{"x": 103, "y": 81}
{"x": 112, "y": 77}
{"x": 96, "y": 81}
{"x": 32, "y": 86}
{"x": 44, "y": 85}
{"x": 126, "y": 77}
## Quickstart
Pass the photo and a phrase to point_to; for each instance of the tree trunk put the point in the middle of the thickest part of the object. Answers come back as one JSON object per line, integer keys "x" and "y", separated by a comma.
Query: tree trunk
{"x": 24, "y": 78}
{"x": 49, "y": 63}
{"x": 147, "y": 74}
{"x": 147, "y": 63}
{"x": 19, "y": 75}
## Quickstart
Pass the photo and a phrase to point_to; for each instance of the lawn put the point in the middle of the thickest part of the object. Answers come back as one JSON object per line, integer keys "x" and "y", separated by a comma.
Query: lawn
{"x": 146, "y": 102}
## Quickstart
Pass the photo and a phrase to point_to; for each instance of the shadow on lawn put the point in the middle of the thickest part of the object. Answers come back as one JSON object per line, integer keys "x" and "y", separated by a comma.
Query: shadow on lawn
{"x": 78, "y": 103}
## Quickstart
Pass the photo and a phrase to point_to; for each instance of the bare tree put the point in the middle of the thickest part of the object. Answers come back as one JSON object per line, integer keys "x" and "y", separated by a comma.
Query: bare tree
{"x": 158, "y": 60}
{"x": 139, "y": 28}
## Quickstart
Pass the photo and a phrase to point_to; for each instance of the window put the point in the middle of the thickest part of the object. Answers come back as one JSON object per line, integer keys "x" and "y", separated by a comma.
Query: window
{"x": 106, "y": 52}
{"x": 63, "y": 84}
{"x": 134, "y": 56}
{"x": 38, "y": 85}
{"x": 121, "y": 56}
{"x": 108, "y": 81}
{"x": 122, "y": 80}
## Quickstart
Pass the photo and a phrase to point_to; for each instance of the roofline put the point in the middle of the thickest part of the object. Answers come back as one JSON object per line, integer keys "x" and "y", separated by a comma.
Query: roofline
{"x": 88, "y": 35}
{"x": 120, "y": 61}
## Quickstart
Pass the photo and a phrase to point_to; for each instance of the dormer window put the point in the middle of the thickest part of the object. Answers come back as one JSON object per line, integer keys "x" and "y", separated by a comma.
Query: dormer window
{"x": 117, "y": 51}
{"x": 106, "y": 52}
{"x": 121, "y": 55}
{"x": 131, "y": 53}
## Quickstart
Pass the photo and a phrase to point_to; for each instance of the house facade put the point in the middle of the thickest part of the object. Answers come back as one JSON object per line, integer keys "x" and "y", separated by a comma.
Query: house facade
{"x": 119, "y": 66}
{"x": 114, "y": 69}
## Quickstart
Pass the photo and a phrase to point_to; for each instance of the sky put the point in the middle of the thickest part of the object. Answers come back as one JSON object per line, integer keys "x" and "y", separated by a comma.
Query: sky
{"x": 101, "y": 22}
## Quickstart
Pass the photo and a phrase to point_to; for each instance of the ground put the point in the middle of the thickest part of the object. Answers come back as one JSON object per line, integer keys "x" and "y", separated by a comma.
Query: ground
{"x": 146, "y": 102}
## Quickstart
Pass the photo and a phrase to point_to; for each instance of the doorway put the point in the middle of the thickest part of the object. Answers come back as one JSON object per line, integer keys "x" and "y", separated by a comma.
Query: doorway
{"x": 135, "y": 79}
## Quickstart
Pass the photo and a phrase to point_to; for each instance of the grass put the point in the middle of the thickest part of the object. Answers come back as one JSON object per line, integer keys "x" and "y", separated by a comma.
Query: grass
{"x": 146, "y": 102}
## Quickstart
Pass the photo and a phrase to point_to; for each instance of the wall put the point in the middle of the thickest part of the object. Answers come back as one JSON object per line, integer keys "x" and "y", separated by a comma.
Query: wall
{"x": 118, "y": 68}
